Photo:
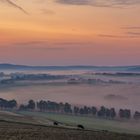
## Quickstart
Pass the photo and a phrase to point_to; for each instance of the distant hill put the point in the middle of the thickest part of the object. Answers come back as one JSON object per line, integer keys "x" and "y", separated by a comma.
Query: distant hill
{"x": 76, "y": 67}
{"x": 12, "y": 66}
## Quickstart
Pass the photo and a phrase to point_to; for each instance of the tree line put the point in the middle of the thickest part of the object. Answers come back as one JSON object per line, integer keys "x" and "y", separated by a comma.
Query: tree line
{"x": 66, "y": 108}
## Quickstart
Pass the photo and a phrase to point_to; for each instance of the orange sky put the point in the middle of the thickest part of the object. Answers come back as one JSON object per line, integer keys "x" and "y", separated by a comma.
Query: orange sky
{"x": 65, "y": 32}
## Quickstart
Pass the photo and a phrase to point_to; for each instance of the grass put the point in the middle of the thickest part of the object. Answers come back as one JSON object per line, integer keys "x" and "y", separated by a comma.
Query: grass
{"x": 18, "y": 131}
{"x": 90, "y": 123}
{"x": 39, "y": 126}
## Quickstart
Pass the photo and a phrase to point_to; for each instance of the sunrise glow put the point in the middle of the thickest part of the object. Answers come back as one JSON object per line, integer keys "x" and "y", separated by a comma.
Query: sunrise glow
{"x": 62, "y": 32}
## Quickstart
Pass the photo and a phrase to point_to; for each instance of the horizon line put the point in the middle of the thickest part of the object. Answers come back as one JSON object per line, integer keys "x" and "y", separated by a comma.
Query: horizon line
{"x": 78, "y": 65}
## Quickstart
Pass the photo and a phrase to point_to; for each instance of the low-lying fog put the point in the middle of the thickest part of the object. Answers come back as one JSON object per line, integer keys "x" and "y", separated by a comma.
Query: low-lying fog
{"x": 122, "y": 95}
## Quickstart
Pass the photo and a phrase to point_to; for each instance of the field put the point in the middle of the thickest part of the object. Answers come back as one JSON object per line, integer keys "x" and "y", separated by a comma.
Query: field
{"x": 20, "y": 131}
{"x": 69, "y": 121}
{"x": 90, "y": 123}
{"x": 39, "y": 126}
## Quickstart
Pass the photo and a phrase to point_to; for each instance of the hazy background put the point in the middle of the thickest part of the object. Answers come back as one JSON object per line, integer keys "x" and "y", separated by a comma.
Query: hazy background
{"x": 118, "y": 95}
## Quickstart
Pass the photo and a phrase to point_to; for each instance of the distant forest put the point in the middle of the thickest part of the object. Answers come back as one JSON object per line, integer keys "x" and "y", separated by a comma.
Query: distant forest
{"x": 66, "y": 108}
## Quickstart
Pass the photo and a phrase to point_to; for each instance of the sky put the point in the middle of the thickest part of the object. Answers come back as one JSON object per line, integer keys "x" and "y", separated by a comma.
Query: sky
{"x": 70, "y": 32}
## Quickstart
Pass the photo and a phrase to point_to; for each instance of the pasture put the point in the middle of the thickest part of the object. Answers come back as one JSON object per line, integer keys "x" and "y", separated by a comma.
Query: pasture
{"x": 40, "y": 126}
{"x": 90, "y": 123}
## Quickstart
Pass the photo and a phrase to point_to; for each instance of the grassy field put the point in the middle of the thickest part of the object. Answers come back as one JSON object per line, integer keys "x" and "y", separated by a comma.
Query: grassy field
{"x": 21, "y": 131}
{"x": 90, "y": 123}
{"x": 39, "y": 126}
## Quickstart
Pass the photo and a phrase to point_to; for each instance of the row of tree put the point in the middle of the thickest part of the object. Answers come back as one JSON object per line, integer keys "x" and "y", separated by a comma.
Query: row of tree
{"x": 66, "y": 108}
{"x": 11, "y": 104}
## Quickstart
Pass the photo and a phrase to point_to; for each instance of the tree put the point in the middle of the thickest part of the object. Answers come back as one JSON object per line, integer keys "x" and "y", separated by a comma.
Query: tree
{"x": 12, "y": 104}
{"x": 23, "y": 107}
{"x": 67, "y": 108}
{"x": 93, "y": 110}
{"x": 76, "y": 110}
{"x": 102, "y": 112}
{"x": 136, "y": 115}
{"x": 42, "y": 105}
{"x": 85, "y": 110}
{"x": 125, "y": 113}
{"x": 3, "y": 103}
{"x": 31, "y": 105}
{"x": 7, "y": 104}
{"x": 61, "y": 107}
{"x": 112, "y": 113}
{"x": 108, "y": 113}
{"x": 121, "y": 113}
{"x": 81, "y": 111}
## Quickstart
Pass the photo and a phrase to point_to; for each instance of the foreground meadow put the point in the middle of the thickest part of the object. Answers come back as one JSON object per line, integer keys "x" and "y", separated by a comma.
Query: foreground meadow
{"x": 90, "y": 123}
{"x": 21, "y": 131}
